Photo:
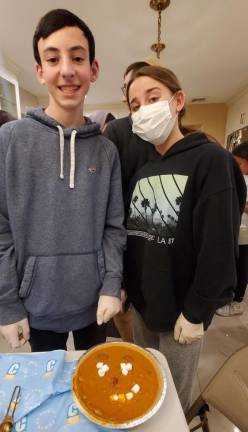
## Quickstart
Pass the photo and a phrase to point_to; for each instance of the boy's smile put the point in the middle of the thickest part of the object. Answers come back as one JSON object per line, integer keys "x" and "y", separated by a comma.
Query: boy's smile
{"x": 66, "y": 71}
{"x": 69, "y": 89}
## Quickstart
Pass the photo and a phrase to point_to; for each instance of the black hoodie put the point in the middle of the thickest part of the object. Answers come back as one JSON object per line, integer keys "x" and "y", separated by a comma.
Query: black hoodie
{"x": 183, "y": 227}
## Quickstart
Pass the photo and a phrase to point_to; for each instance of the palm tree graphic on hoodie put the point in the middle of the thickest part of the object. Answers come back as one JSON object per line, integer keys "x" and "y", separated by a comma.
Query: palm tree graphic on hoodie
{"x": 155, "y": 205}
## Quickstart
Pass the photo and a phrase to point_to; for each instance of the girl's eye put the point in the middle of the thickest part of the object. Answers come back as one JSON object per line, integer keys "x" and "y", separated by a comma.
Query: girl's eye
{"x": 134, "y": 108}
{"x": 153, "y": 99}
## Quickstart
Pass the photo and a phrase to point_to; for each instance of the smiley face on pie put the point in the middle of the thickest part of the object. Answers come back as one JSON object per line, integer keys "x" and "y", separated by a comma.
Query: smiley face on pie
{"x": 117, "y": 382}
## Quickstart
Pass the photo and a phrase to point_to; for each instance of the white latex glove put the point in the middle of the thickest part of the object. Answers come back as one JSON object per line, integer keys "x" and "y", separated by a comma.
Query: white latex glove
{"x": 16, "y": 334}
{"x": 107, "y": 308}
{"x": 186, "y": 332}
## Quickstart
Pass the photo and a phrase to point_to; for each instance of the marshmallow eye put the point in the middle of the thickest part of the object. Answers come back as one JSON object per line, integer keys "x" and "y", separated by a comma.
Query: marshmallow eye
{"x": 102, "y": 368}
{"x": 126, "y": 368}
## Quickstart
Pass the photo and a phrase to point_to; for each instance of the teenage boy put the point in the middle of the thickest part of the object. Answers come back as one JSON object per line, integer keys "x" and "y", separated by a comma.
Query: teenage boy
{"x": 61, "y": 213}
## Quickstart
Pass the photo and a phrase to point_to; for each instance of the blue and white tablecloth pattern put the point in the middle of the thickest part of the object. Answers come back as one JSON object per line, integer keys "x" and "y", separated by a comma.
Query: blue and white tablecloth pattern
{"x": 46, "y": 402}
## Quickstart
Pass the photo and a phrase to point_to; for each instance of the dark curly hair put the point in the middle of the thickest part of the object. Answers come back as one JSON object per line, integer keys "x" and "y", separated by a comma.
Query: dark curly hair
{"x": 55, "y": 20}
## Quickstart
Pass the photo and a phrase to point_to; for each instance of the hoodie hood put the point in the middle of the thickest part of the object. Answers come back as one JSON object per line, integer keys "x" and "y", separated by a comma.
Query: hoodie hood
{"x": 89, "y": 129}
{"x": 85, "y": 131}
{"x": 188, "y": 142}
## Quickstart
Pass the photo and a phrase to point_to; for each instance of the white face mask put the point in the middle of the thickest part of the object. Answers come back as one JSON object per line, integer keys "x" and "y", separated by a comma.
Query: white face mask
{"x": 154, "y": 122}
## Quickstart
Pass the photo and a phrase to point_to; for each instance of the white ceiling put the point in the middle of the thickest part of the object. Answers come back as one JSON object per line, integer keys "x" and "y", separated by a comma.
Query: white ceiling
{"x": 206, "y": 42}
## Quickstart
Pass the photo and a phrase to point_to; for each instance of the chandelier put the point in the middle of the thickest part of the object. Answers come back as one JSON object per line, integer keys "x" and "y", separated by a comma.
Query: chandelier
{"x": 159, "y": 6}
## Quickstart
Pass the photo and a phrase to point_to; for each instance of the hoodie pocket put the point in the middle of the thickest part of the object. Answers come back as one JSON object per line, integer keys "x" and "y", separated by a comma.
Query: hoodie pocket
{"x": 60, "y": 285}
{"x": 158, "y": 287}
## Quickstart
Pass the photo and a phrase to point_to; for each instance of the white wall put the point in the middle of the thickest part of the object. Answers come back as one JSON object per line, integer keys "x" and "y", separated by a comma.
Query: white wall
{"x": 43, "y": 101}
{"x": 209, "y": 118}
{"x": 27, "y": 100}
{"x": 237, "y": 114}
{"x": 118, "y": 110}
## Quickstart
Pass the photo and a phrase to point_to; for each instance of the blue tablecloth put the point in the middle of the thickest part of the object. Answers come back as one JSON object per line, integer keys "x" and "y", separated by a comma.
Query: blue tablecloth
{"x": 46, "y": 402}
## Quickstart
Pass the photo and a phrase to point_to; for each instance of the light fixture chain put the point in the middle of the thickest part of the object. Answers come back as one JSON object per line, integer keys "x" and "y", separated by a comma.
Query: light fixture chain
{"x": 159, "y": 6}
{"x": 159, "y": 26}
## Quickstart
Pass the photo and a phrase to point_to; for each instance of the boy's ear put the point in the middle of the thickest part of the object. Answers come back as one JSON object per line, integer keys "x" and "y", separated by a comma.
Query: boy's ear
{"x": 39, "y": 73}
{"x": 94, "y": 70}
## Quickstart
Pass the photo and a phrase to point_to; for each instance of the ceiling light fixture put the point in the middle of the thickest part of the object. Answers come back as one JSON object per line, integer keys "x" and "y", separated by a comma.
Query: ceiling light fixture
{"x": 159, "y": 6}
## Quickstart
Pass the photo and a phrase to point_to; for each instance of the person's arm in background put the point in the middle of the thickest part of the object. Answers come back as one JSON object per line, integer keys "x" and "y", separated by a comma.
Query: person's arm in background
{"x": 114, "y": 242}
{"x": 13, "y": 323}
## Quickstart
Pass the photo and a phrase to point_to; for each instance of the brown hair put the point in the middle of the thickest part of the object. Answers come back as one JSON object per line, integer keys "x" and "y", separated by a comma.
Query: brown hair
{"x": 134, "y": 67}
{"x": 169, "y": 80}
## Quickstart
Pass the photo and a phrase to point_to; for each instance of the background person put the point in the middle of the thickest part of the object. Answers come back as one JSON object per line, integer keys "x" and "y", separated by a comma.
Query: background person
{"x": 235, "y": 307}
{"x": 134, "y": 153}
{"x": 5, "y": 117}
{"x": 119, "y": 131}
{"x": 182, "y": 230}
{"x": 102, "y": 118}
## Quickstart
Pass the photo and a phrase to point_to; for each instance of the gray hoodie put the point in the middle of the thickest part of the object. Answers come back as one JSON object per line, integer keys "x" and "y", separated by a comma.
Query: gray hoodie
{"x": 61, "y": 222}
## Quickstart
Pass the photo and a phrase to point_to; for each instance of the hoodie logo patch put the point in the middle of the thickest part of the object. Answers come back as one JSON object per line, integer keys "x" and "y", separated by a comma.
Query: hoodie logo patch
{"x": 92, "y": 169}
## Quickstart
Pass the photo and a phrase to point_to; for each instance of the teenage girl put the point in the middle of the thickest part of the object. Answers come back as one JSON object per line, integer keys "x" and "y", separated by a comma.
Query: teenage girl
{"x": 183, "y": 225}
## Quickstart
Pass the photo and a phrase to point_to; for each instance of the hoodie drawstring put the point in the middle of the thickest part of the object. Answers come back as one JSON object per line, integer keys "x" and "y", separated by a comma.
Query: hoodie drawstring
{"x": 72, "y": 159}
{"x": 61, "y": 146}
{"x": 72, "y": 155}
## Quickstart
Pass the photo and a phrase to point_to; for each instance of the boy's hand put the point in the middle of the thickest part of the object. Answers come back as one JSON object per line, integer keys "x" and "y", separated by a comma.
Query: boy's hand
{"x": 16, "y": 334}
{"x": 186, "y": 332}
{"x": 107, "y": 308}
